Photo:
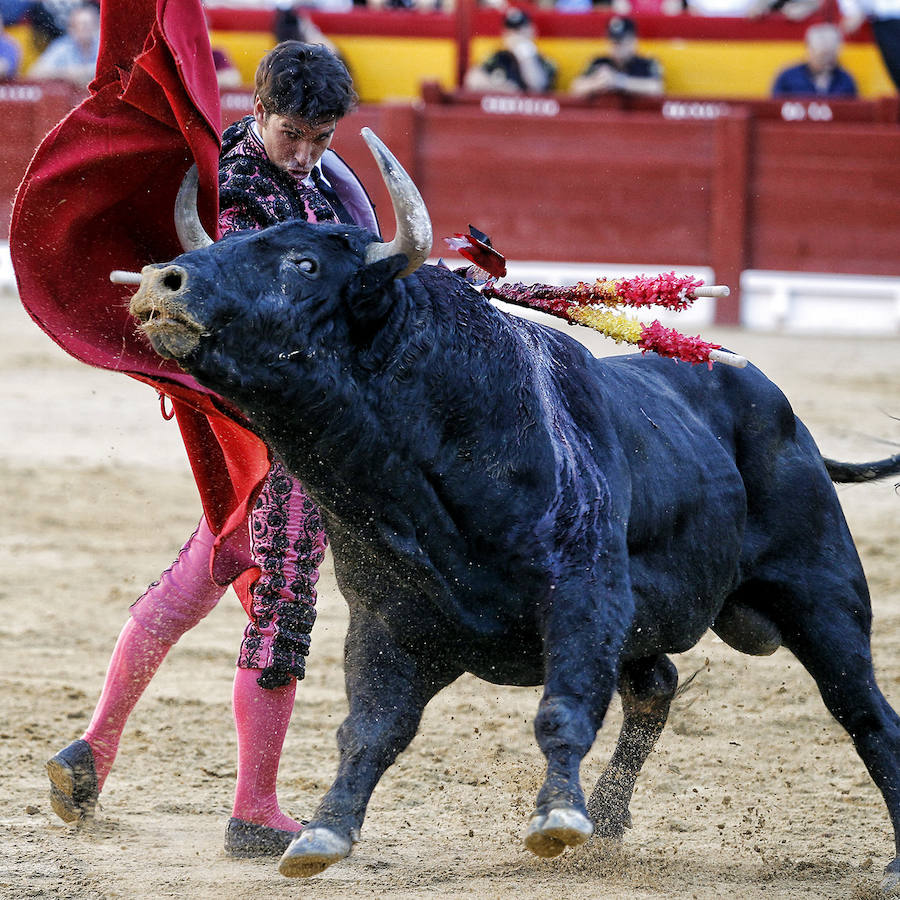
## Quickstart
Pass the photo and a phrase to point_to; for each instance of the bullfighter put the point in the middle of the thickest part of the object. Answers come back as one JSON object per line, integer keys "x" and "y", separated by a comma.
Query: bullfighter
{"x": 275, "y": 165}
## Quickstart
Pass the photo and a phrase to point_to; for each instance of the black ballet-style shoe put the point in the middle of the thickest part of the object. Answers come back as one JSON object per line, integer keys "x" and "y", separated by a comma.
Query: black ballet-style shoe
{"x": 249, "y": 839}
{"x": 73, "y": 782}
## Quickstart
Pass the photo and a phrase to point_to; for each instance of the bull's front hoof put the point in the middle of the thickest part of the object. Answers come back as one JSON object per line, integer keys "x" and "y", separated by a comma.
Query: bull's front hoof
{"x": 313, "y": 851}
{"x": 549, "y": 835}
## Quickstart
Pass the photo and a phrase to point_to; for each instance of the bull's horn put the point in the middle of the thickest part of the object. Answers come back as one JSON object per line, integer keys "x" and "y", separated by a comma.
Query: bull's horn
{"x": 414, "y": 235}
{"x": 188, "y": 226}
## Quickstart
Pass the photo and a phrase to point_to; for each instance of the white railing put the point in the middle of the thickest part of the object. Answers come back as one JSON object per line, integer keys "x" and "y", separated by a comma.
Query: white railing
{"x": 820, "y": 304}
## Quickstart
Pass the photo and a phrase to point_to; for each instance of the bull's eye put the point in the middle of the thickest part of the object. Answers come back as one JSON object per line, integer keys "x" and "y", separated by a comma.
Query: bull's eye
{"x": 305, "y": 264}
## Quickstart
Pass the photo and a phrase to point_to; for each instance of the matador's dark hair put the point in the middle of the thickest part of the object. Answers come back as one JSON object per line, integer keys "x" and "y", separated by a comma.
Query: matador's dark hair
{"x": 306, "y": 81}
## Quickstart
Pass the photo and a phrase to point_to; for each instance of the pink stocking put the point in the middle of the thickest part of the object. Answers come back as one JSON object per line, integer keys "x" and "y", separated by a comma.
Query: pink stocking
{"x": 184, "y": 594}
{"x": 134, "y": 661}
{"x": 261, "y": 716}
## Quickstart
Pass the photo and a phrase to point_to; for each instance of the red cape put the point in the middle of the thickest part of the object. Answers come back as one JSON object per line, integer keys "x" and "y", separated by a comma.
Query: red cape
{"x": 99, "y": 195}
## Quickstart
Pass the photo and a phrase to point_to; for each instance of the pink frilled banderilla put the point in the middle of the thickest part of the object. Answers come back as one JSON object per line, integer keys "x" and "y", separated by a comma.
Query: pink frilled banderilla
{"x": 595, "y": 304}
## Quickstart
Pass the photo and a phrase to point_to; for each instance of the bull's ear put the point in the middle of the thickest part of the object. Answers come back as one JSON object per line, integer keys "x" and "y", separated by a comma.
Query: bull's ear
{"x": 367, "y": 291}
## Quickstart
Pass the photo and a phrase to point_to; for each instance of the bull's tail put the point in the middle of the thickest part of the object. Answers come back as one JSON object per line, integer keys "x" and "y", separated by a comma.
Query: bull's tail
{"x": 857, "y": 472}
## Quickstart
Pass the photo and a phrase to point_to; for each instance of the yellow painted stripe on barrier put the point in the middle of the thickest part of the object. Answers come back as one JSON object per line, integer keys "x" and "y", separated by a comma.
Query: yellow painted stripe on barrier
{"x": 391, "y": 68}
{"x": 244, "y": 48}
{"x": 22, "y": 35}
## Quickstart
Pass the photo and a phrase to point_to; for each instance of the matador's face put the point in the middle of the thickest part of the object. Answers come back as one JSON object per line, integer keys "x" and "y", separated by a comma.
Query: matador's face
{"x": 292, "y": 143}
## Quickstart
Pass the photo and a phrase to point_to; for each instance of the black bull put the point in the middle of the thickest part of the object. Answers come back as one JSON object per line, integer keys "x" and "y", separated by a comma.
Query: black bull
{"x": 500, "y": 502}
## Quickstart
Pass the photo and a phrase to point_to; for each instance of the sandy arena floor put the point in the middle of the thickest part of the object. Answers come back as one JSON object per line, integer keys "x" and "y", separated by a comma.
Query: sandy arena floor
{"x": 753, "y": 792}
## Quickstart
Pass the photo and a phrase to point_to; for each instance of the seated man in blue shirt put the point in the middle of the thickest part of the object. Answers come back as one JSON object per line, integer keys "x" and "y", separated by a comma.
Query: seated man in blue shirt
{"x": 820, "y": 75}
{"x": 10, "y": 55}
{"x": 72, "y": 57}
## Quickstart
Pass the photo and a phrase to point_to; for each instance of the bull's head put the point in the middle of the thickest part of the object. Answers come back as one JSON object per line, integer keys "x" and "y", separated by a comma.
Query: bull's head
{"x": 293, "y": 282}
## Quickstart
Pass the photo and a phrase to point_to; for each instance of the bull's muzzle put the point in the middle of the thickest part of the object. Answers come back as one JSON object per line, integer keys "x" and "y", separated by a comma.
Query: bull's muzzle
{"x": 160, "y": 308}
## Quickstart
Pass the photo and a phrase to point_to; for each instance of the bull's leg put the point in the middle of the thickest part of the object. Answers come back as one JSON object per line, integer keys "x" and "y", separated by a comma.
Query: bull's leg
{"x": 646, "y": 687}
{"x": 830, "y": 637}
{"x": 582, "y": 646}
{"x": 387, "y": 690}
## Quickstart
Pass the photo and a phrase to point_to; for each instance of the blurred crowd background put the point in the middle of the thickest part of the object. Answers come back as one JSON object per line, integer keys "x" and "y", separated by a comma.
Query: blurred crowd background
{"x": 753, "y": 48}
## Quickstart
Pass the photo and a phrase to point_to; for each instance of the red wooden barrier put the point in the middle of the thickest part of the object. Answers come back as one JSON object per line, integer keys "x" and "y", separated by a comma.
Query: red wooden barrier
{"x": 795, "y": 109}
{"x": 806, "y": 185}
{"x": 825, "y": 198}
{"x": 30, "y": 111}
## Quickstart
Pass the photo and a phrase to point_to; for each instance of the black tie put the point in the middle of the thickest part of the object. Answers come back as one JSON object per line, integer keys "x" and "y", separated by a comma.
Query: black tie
{"x": 328, "y": 192}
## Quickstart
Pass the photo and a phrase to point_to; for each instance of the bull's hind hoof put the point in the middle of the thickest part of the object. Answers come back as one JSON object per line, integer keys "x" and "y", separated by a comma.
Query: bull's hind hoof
{"x": 608, "y": 813}
{"x": 549, "y": 835}
{"x": 313, "y": 851}
{"x": 890, "y": 886}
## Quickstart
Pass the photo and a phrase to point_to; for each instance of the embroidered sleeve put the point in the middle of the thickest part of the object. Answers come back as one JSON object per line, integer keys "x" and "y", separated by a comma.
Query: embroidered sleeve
{"x": 249, "y": 198}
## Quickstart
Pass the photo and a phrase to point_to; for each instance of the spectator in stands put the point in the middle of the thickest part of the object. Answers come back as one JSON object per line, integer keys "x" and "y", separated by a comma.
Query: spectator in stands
{"x": 72, "y": 57}
{"x": 650, "y": 7}
{"x": 728, "y": 8}
{"x": 884, "y": 17}
{"x": 227, "y": 73}
{"x": 49, "y": 20}
{"x": 796, "y": 10}
{"x": 621, "y": 70}
{"x": 13, "y": 11}
{"x": 293, "y": 24}
{"x": 518, "y": 66}
{"x": 572, "y": 6}
{"x": 821, "y": 75}
{"x": 328, "y": 6}
{"x": 10, "y": 55}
